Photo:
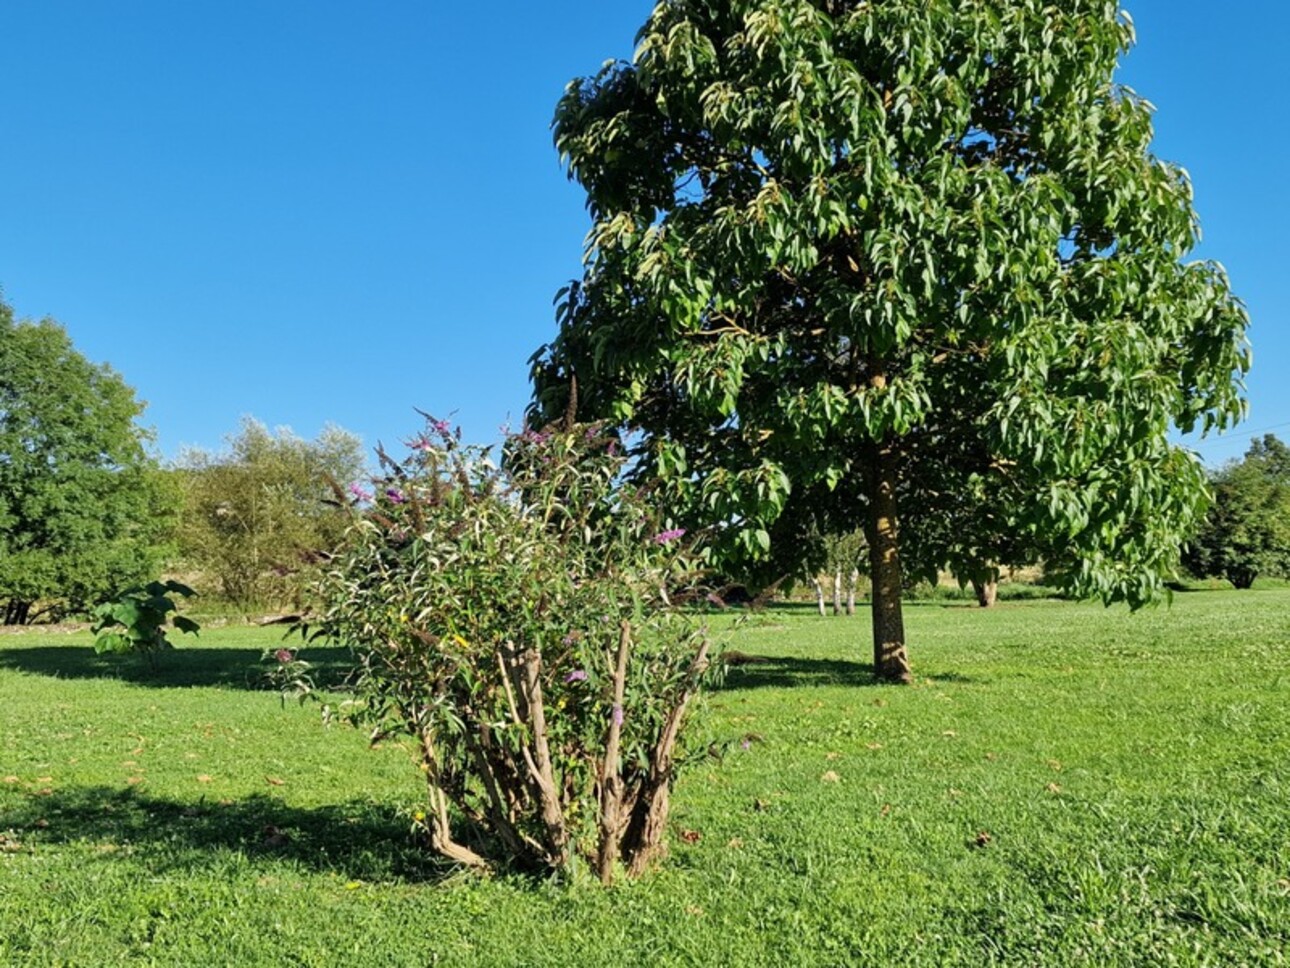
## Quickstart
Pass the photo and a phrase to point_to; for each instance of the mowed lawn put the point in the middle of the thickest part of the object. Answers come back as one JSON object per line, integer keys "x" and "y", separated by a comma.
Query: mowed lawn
{"x": 1065, "y": 785}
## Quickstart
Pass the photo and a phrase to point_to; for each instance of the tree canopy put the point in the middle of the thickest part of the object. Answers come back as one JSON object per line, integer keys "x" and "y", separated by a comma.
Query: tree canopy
{"x": 1247, "y": 530}
{"x": 907, "y": 260}
{"x": 83, "y": 507}
{"x": 263, "y": 510}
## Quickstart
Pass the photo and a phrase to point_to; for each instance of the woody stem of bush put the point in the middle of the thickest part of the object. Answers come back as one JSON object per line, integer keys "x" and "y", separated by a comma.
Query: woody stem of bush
{"x": 503, "y": 814}
{"x": 525, "y": 669}
{"x": 552, "y": 814}
{"x": 611, "y": 781}
{"x": 643, "y": 840}
{"x": 440, "y": 824}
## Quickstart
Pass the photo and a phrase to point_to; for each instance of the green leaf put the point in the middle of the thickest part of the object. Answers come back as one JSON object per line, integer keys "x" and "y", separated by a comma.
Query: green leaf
{"x": 126, "y": 612}
{"x": 112, "y": 642}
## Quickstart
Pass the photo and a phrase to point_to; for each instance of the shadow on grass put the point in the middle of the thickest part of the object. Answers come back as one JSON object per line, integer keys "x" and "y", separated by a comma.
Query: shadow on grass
{"x": 356, "y": 840}
{"x": 795, "y": 672}
{"x": 806, "y": 609}
{"x": 179, "y": 668}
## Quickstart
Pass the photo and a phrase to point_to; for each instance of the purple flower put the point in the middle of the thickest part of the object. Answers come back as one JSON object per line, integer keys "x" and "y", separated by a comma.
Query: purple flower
{"x": 571, "y": 638}
{"x": 664, "y": 537}
{"x": 441, "y": 426}
{"x": 611, "y": 448}
{"x": 359, "y": 492}
{"x": 577, "y": 675}
{"x": 395, "y": 495}
{"x": 618, "y": 715}
{"x": 746, "y": 744}
{"x": 421, "y": 443}
{"x": 283, "y": 656}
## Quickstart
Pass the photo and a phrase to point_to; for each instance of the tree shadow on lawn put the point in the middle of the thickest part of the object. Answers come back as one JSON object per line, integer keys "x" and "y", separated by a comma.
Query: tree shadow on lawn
{"x": 179, "y": 668}
{"x": 808, "y": 609}
{"x": 794, "y": 672}
{"x": 355, "y": 840}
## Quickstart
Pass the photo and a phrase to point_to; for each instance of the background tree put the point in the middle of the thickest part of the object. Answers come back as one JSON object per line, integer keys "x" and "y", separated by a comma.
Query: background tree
{"x": 1247, "y": 530}
{"x": 844, "y": 555}
{"x": 259, "y": 513}
{"x": 966, "y": 520}
{"x": 84, "y": 510}
{"x": 827, "y": 231}
{"x": 1272, "y": 456}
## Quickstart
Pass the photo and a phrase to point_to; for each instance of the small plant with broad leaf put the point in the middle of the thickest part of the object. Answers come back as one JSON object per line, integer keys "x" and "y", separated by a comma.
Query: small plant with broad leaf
{"x": 523, "y": 625}
{"x": 140, "y": 619}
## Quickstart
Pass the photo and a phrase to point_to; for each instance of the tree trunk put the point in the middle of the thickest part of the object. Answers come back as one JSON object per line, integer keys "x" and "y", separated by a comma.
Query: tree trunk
{"x": 1242, "y": 578}
{"x": 819, "y": 595}
{"x": 851, "y": 591}
{"x": 890, "y": 661}
{"x": 986, "y": 592}
{"x": 837, "y": 592}
{"x": 17, "y": 613}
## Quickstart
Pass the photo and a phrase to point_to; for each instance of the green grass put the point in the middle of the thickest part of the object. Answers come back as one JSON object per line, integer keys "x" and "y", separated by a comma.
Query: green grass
{"x": 1065, "y": 785}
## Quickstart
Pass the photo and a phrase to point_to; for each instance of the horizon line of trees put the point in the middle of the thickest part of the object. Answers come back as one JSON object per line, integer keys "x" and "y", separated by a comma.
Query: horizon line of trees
{"x": 87, "y": 510}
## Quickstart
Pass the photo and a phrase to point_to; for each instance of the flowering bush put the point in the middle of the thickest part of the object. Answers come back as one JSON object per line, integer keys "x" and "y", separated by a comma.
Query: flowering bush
{"x": 290, "y": 675}
{"x": 519, "y": 625}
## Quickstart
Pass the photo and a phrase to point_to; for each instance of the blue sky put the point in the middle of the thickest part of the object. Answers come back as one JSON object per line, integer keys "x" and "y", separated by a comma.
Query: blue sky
{"x": 316, "y": 210}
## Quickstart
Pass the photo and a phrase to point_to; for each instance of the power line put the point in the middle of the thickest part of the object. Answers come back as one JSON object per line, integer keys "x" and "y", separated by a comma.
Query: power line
{"x": 1232, "y": 438}
{"x": 1212, "y": 451}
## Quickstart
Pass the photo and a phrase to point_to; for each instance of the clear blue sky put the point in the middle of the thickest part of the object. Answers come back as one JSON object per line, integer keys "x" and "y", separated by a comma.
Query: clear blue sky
{"x": 316, "y": 210}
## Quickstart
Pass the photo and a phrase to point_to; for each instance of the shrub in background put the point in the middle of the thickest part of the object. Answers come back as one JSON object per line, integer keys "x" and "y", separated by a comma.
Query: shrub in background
{"x": 520, "y": 624}
{"x": 259, "y": 515}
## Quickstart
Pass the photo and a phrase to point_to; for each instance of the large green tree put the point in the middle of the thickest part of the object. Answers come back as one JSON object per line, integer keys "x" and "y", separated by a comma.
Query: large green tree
{"x": 1247, "y": 530}
{"x": 839, "y": 246}
{"x": 262, "y": 511}
{"x": 84, "y": 511}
